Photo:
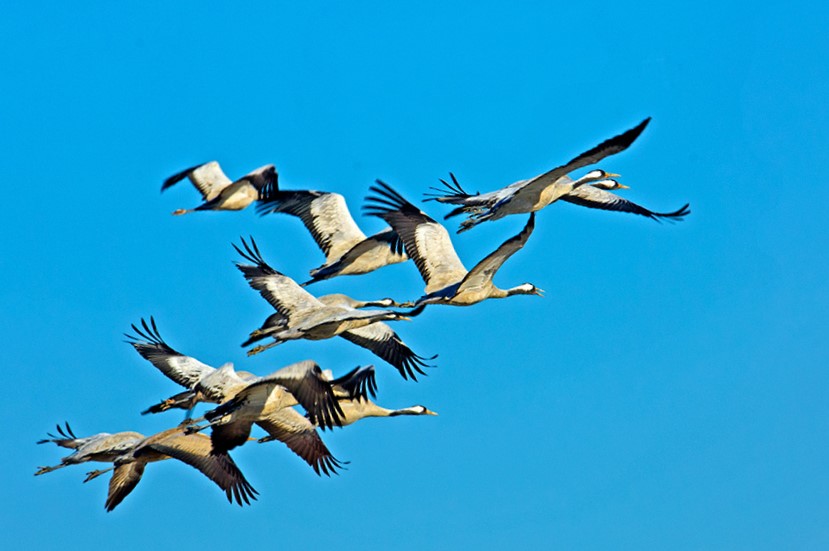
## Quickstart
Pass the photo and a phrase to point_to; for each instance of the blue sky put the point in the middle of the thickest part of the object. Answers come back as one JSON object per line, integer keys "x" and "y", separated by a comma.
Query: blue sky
{"x": 669, "y": 391}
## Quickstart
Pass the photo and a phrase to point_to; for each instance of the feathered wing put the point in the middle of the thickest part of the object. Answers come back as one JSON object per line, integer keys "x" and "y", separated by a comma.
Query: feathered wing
{"x": 303, "y": 380}
{"x": 306, "y": 382}
{"x": 208, "y": 178}
{"x": 282, "y": 292}
{"x": 595, "y": 198}
{"x": 228, "y": 436}
{"x": 325, "y": 215}
{"x": 197, "y": 451}
{"x": 263, "y": 178}
{"x": 481, "y": 275}
{"x": 300, "y": 435}
{"x": 470, "y": 203}
{"x": 357, "y": 384}
{"x": 534, "y": 186}
{"x": 66, "y": 437}
{"x": 184, "y": 370}
{"x": 381, "y": 340}
{"x": 124, "y": 479}
{"x": 381, "y": 249}
{"x": 426, "y": 241}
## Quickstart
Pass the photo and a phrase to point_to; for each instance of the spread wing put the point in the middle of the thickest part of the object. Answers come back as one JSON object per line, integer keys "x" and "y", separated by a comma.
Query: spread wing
{"x": 306, "y": 382}
{"x": 595, "y": 198}
{"x": 481, "y": 275}
{"x": 325, "y": 215}
{"x": 262, "y": 178}
{"x": 303, "y": 380}
{"x": 300, "y": 435}
{"x": 197, "y": 451}
{"x": 426, "y": 241}
{"x": 124, "y": 479}
{"x": 282, "y": 292}
{"x": 357, "y": 384}
{"x": 208, "y": 179}
{"x": 182, "y": 369}
{"x": 380, "y": 339}
{"x": 611, "y": 146}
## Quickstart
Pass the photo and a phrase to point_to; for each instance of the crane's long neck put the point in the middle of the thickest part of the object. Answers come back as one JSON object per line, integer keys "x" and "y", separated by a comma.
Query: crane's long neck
{"x": 354, "y": 410}
{"x": 523, "y": 289}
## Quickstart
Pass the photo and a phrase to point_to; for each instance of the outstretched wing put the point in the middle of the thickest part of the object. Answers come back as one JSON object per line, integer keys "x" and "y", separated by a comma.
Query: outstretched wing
{"x": 325, "y": 215}
{"x": 357, "y": 384}
{"x": 304, "y": 381}
{"x": 282, "y": 292}
{"x": 482, "y": 273}
{"x": 263, "y": 178}
{"x": 300, "y": 435}
{"x": 197, "y": 451}
{"x": 611, "y": 146}
{"x": 184, "y": 370}
{"x": 124, "y": 480}
{"x": 380, "y": 339}
{"x": 208, "y": 179}
{"x": 595, "y": 198}
{"x": 426, "y": 241}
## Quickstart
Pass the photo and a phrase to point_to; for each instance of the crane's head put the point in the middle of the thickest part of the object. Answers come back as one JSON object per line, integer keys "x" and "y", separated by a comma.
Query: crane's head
{"x": 609, "y": 184}
{"x": 526, "y": 289}
{"x": 598, "y": 174}
{"x": 413, "y": 410}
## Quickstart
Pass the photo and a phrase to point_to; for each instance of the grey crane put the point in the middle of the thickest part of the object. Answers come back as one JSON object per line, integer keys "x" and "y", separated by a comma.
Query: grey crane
{"x": 130, "y": 452}
{"x": 536, "y": 193}
{"x": 428, "y": 244}
{"x": 207, "y": 384}
{"x": 595, "y": 195}
{"x": 348, "y": 251}
{"x": 218, "y": 191}
{"x": 301, "y": 315}
{"x": 299, "y": 383}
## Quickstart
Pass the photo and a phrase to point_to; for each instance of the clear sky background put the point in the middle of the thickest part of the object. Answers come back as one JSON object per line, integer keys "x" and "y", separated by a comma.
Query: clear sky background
{"x": 668, "y": 392}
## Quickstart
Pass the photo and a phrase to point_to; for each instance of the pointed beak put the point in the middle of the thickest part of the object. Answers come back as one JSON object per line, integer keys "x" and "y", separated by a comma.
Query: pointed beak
{"x": 622, "y": 186}
{"x": 612, "y": 175}
{"x": 539, "y": 292}
{"x": 430, "y": 412}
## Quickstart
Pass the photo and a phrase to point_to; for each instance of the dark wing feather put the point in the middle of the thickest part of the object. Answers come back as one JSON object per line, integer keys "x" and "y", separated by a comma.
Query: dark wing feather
{"x": 184, "y": 370}
{"x": 299, "y": 434}
{"x": 179, "y": 176}
{"x": 450, "y": 193}
{"x": 357, "y": 384}
{"x": 589, "y": 196}
{"x": 312, "y": 391}
{"x": 208, "y": 178}
{"x": 282, "y": 292}
{"x": 380, "y": 339}
{"x": 197, "y": 451}
{"x": 608, "y": 147}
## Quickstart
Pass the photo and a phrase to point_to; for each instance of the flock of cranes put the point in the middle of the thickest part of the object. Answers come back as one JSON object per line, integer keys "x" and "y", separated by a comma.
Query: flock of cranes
{"x": 293, "y": 403}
